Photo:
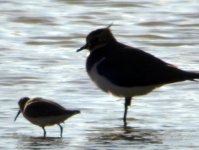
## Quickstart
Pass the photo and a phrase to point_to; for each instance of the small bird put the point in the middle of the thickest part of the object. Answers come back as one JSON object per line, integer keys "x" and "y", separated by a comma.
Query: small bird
{"x": 126, "y": 71}
{"x": 43, "y": 112}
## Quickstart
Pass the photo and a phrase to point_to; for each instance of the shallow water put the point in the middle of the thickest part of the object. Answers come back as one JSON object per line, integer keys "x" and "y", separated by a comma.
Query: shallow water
{"x": 38, "y": 41}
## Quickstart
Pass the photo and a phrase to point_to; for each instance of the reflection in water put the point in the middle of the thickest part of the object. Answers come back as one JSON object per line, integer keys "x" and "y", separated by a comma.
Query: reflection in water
{"x": 37, "y": 48}
{"x": 34, "y": 143}
{"x": 122, "y": 134}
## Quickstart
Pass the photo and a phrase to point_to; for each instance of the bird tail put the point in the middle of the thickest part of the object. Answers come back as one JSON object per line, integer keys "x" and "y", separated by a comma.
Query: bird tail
{"x": 193, "y": 75}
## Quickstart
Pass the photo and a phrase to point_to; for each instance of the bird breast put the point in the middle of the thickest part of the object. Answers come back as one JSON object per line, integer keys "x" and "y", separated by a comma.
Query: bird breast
{"x": 107, "y": 86}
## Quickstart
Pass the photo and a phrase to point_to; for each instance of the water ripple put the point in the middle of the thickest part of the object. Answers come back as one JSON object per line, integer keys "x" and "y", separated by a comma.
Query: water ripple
{"x": 38, "y": 44}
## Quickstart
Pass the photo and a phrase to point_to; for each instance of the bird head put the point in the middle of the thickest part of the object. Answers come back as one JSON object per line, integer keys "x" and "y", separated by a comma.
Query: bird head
{"x": 22, "y": 102}
{"x": 98, "y": 38}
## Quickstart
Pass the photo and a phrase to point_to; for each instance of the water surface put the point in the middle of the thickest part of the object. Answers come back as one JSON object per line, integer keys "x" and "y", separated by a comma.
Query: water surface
{"x": 38, "y": 41}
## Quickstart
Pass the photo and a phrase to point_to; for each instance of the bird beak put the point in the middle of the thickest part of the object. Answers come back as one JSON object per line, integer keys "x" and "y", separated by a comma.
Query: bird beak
{"x": 83, "y": 47}
{"x": 17, "y": 115}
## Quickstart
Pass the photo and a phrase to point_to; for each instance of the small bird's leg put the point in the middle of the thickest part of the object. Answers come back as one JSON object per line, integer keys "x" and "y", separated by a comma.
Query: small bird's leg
{"x": 44, "y": 132}
{"x": 126, "y": 104}
{"x": 61, "y": 130}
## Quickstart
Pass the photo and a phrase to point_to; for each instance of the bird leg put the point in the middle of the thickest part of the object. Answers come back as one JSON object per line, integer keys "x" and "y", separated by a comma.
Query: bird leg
{"x": 126, "y": 104}
{"x": 44, "y": 132}
{"x": 61, "y": 130}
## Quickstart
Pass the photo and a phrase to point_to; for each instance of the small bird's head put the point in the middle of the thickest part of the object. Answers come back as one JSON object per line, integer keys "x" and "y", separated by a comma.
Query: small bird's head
{"x": 98, "y": 38}
{"x": 22, "y": 102}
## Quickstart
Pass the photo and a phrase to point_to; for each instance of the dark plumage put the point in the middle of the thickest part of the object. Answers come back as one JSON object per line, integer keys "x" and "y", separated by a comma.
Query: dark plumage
{"x": 44, "y": 112}
{"x": 127, "y": 71}
{"x": 39, "y": 107}
{"x": 127, "y": 67}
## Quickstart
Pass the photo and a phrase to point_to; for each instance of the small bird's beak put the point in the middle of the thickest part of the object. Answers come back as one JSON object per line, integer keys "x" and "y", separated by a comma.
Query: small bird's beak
{"x": 83, "y": 47}
{"x": 17, "y": 115}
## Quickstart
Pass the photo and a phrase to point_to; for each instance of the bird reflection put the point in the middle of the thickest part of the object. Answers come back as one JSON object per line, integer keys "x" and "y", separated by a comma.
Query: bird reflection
{"x": 34, "y": 143}
{"x": 133, "y": 135}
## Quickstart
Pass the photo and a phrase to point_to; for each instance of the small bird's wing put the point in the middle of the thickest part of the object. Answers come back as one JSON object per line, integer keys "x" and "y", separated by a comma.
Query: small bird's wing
{"x": 128, "y": 66}
{"x": 39, "y": 107}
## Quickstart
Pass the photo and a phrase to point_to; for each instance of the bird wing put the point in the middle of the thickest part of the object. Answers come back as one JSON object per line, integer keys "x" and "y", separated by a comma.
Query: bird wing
{"x": 128, "y": 66}
{"x": 39, "y": 107}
